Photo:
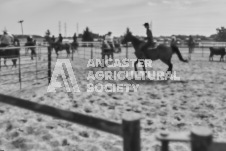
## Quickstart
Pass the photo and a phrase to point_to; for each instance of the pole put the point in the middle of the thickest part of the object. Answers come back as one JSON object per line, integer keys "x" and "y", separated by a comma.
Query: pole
{"x": 202, "y": 51}
{"x": 20, "y": 71}
{"x": 165, "y": 146}
{"x": 77, "y": 29}
{"x": 22, "y": 28}
{"x": 36, "y": 66}
{"x": 131, "y": 132}
{"x": 49, "y": 64}
{"x": 72, "y": 55}
{"x": 84, "y": 51}
{"x": 127, "y": 50}
{"x": 21, "y": 23}
{"x": 201, "y": 139}
{"x": 91, "y": 51}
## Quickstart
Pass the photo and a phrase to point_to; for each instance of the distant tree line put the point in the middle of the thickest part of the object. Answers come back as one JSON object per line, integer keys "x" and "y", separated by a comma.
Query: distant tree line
{"x": 89, "y": 36}
{"x": 221, "y": 34}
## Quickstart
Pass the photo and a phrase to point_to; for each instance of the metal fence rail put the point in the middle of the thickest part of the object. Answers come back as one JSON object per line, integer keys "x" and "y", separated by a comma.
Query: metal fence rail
{"x": 24, "y": 65}
{"x": 86, "y": 50}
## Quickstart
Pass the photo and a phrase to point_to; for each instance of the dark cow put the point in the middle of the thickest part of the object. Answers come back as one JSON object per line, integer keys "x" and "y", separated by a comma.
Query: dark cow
{"x": 217, "y": 51}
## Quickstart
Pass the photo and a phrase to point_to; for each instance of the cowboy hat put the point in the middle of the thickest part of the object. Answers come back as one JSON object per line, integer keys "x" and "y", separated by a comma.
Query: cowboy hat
{"x": 146, "y": 24}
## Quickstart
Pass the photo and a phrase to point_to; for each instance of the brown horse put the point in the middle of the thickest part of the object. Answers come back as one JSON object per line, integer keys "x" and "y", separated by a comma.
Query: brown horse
{"x": 107, "y": 51}
{"x": 61, "y": 46}
{"x": 74, "y": 46}
{"x": 162, "y": 52}
{"x": 10, "y": 53}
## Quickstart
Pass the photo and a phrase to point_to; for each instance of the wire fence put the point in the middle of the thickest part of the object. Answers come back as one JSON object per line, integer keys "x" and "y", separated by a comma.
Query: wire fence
{"x": 27, "y": 69}
{"x": 41, "y": 66}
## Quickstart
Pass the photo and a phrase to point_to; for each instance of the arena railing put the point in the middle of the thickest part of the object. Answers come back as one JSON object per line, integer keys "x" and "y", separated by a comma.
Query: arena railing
{"x": 200, "y": 138}
{"x": 129, "y": 129}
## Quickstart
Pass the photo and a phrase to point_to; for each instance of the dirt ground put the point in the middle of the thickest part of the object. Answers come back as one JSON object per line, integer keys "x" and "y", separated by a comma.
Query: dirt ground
{"x": 197, "y": 99}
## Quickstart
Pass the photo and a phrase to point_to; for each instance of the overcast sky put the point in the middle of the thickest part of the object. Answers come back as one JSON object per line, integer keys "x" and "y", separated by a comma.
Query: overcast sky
{"x": 168, "y": 16}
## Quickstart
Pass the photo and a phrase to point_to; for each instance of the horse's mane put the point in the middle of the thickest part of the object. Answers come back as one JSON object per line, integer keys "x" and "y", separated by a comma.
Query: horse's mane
{"x": 136, "y": 40}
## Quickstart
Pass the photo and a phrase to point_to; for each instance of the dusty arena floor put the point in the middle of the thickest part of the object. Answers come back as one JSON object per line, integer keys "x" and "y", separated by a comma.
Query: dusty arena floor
{"x": 198, "y": 99}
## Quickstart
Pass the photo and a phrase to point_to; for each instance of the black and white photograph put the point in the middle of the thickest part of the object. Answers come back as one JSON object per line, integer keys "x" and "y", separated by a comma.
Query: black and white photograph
{"x": 112, "y": 75}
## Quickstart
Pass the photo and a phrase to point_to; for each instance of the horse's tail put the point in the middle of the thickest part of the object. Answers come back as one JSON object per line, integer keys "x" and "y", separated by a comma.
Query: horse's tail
{"x": 177, "y": 51}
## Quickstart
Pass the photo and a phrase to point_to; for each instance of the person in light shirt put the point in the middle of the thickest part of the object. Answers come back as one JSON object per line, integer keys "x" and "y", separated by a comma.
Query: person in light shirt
{"x": 6, "y": 39}
{"x": 108, "y": 40}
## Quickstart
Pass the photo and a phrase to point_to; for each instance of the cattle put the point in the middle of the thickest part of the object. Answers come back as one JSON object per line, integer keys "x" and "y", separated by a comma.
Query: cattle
{"x": 217, "y": 51}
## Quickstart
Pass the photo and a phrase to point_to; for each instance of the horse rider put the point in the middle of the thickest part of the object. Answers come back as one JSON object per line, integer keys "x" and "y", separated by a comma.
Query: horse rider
{"x": 191, "y": 45}
{"x": 75, "y": 43}
{"x": 59, "y": 41}
{"x": 47, "y": 37}
{"x": 74, "y": 38}
{"x": 173, "y": 43}
{"x": 53, "y": 38}
{"x": 30, "y": 40}
{"x": 149, "y": 38}
{"x": 6, "y": 39}
{"x": 108, "y": 40}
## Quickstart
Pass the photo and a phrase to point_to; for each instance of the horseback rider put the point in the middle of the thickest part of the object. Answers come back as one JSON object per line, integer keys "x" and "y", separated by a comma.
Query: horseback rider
{"x": 191, "y": 45}
{"x": 6, "y": 39}
{"x": 74, "y": 38}
{"x": 173, "y": 43}
{"x": 47, "y": 36}
{"x": 74, "y": 43}
{"x": 59, "y": 41}
{"x": 149, "y": 38}
{"x": 108, "y": 40}
{"x": 53, "y": 38}
{"x": 30, "y": 41}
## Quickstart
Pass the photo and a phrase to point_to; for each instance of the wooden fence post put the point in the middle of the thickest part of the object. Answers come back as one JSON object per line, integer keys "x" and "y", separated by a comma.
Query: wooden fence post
{"x": 49, "y": 64}
{"x": 201, "y": 139}
{"x": 131, "y": 132}
{"x": 164, "y": 143}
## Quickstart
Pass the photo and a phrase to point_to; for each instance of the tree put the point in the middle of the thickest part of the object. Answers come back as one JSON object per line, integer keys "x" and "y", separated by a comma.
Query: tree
{"x": 221, "y": 34}
{"x": 87, "y": 35}
{"x": 128, "y": 31}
